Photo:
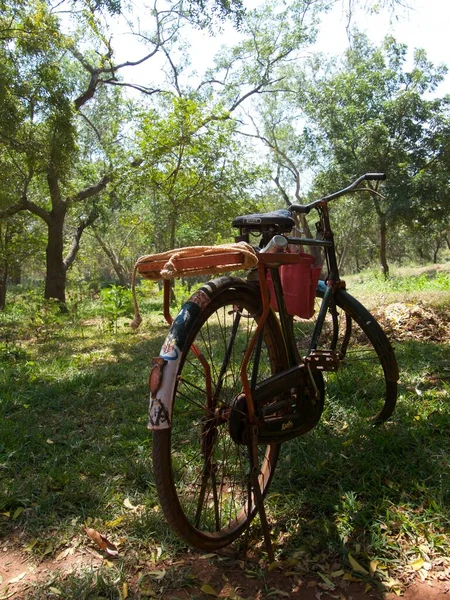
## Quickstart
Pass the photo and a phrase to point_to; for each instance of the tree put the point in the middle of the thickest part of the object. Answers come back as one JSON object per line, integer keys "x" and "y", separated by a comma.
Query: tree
{"x": 195, "y": 173}
{"x": 39, "y": 132}
{"x": 51, "y": 92}
{"x": 372, "y": 114}
{"x": 55, "y": 76}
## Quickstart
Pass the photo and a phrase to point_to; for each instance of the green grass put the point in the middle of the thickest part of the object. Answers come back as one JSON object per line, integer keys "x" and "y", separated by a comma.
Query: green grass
{"x": 74, "y": 447}
{"x": 405, "y": 284}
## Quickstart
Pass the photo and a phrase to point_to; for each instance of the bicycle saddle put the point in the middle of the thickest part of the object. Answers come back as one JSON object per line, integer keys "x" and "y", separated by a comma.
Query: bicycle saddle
{"x": 280, "y": 219}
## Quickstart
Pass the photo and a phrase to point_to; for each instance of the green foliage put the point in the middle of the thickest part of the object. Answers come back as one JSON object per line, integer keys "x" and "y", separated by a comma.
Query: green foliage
{"x": 381, "y": 120}
{"x": 197, "y": 175}
{"x": 116, "y": 302}
{"x": 372, "y": 114}
{"x": 31, "y": 313}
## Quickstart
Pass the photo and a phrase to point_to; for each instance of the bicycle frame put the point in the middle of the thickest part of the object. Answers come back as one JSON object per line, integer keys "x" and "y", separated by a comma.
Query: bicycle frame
{"x": 271, "y": 262}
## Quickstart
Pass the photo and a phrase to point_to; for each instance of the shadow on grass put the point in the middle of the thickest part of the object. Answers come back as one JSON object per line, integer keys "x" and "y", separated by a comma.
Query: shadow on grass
{"x": 74, "y": 446}
{"x": 381, "y": 492}
{"x": 74, "y": 443}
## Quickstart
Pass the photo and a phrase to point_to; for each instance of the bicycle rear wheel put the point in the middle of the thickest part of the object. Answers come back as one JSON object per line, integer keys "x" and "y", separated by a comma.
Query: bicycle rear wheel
{"x": 202, "y": 475}
{"x": 365, "y": 385}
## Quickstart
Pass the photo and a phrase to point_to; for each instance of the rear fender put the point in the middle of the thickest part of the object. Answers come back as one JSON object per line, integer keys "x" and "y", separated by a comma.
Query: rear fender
{"x": 174, "y": 348}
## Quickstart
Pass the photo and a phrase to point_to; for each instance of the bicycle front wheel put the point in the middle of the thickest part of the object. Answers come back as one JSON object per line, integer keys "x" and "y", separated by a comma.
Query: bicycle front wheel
{"x": 365, "y": 384}
{"x": 201, "y": 473}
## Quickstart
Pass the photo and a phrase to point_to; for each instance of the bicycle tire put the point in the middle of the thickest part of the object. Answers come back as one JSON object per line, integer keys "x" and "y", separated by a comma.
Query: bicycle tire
{"x": 203, "y": 485}
{"x": 368, "y": 373}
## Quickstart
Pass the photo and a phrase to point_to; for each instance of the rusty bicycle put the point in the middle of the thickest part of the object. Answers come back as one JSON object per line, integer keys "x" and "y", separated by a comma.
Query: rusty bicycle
{"x": 248, "y": 363}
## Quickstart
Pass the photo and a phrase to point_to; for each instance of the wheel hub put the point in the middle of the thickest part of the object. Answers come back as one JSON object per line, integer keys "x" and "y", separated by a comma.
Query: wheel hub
{"x": 238, "y": 419}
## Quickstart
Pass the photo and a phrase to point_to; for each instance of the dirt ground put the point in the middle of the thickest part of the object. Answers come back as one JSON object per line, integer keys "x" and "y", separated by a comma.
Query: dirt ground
{"x": 209, "y": 576}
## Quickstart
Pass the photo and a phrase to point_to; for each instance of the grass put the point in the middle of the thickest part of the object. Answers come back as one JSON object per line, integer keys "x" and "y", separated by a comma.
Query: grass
{"x": 74, "y": 449}
{"x": 405, "y": 284}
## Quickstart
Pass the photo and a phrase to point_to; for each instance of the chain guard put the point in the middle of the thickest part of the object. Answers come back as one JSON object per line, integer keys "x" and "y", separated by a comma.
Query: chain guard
{"x": 290, "y": 414}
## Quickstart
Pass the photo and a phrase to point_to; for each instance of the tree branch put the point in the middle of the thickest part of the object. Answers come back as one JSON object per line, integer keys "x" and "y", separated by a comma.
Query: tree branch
{"x": 90, "y": 191}
{"x": 114, "y": 259}
{"x": 75, "y": 245}
{"x": 25, "y": 205}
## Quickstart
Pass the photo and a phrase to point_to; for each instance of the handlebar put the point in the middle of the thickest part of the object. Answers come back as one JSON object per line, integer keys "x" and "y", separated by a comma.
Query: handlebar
{"x": 306, "y": 208}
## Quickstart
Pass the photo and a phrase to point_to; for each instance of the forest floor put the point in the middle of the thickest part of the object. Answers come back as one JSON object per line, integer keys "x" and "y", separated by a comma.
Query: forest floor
{"x": 195, "y": 576}
{"x": 188, "y": 575}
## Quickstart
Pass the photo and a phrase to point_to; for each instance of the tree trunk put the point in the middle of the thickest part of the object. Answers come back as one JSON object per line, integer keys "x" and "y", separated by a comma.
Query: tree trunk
{"x": 437, "y": 247}
{"x": 15, "y": 272}
{"x": 3, "y": 282}
{"x": 383, "y": 234}
{"x": 383, "y": 257}
{"x": 122, "y": 276}
{"x": 55, "y": 279}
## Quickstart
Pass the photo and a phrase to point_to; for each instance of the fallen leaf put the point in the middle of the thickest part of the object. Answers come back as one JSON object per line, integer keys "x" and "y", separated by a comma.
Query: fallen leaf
{"x": 158, "y": 574}
{"x": 50, "y": 442}
{"x": 124, "y": 590}
{"x": 210, "y": 591}
{"x": 55, "y": 591}
{"x": 6, "y": 595}
{"x": 373, "y": 565}
{"x": 6, "y": 514}
{"x": 367, "y": 588}
{"x": 356, "y": 566}
{"x": 115, "y": 522}
{"x": 417, "y": 564}
{"x": 338, "y": 573}
{"x": 30, "y": 546}
{"x": 349, "y": 577}
{"x": 279, "y": 593}
{"x": 137, "y": 509}
{"x": 205, "y": 556}
{"x": 64, "y": 553}
{"x": 393, "y": 585}
{"x": 18, "y": 578}
{"x": 325, "y": 579}
{"x": 17, "y": 512}
{"x": 102, "y": 542}
{"x": 48, "y": 549}
{"x": 290, "y": 562}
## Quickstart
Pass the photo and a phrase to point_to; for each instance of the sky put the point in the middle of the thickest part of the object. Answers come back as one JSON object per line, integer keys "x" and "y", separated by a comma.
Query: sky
{"x": 425, "y": 25}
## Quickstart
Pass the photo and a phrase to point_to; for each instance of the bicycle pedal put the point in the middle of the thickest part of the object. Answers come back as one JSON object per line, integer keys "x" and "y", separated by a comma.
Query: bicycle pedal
{"x": 323, "y": 360}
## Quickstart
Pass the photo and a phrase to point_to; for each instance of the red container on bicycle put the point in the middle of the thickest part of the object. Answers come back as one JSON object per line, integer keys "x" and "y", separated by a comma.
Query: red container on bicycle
{"x": 299, "y": 280}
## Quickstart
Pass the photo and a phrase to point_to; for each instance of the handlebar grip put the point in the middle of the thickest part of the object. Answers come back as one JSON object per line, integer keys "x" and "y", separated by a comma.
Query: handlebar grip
{"x": 375, "y": 176}
{"x": 300, "y": 208}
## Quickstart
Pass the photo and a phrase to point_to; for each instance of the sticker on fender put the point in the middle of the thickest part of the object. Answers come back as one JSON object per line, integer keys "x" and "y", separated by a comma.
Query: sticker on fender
{"x": 160, "y": 405}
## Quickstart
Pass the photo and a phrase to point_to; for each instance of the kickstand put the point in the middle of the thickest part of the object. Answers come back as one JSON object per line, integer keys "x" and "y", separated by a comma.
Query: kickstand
{"x": 254, "y": 486}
